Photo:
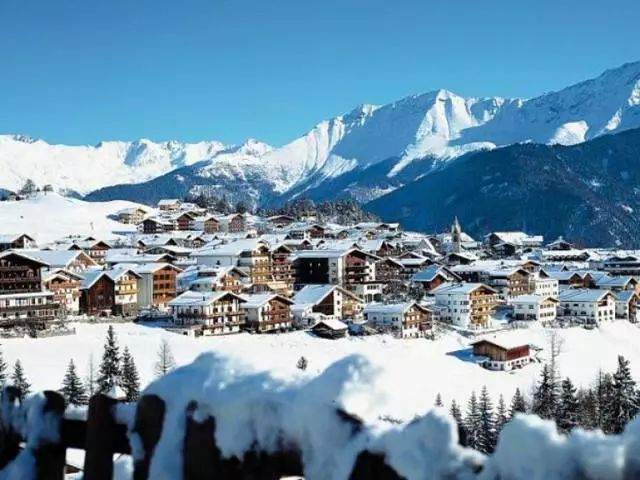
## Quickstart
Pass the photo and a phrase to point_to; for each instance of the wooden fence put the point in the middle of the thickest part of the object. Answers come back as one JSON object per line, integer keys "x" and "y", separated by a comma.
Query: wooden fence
{"x": 101, "y": 437}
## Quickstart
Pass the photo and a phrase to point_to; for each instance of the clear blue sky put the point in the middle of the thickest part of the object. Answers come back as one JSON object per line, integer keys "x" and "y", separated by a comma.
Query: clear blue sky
{"x": 80, "y": 71}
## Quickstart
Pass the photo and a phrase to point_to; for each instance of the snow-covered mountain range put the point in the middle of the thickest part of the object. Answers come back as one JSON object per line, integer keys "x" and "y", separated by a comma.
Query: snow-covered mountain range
{"x": 376, "y": 148}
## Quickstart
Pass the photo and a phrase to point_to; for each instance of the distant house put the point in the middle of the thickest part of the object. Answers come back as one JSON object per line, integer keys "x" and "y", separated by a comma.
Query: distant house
{"x": 158, "y": 225}
{"x": 279, "y": 221}
{"x": 534, "y": 308}
{"x": 267, "y": 312}
{"x": 207, "y": 224}
{"x": 405, "y": 320}
{"x": 503, "y": 352}
{"x": 169, "y": 204}
{"x": 331, "y": 329}
{"x": 590, "y": 306}
{"x": 317, "y": 302}
{"x": 209, "y": 313}
{"x": 627, "y": 306}
{"x": 76, "y": 261}
{"x": 133, "y": 215}
{"x": 434, "y": 276}
{"x": 96, "y": 249}
{"x": 97, "y": 293}
{"x": 11, "y": 241}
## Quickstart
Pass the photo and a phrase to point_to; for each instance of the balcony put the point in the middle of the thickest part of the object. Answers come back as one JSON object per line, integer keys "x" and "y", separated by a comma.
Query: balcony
{"x": 14, "y": 268}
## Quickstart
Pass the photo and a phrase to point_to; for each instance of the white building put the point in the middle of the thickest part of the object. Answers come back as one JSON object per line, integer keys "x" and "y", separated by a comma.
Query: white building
{"x": 267, "y": 312}
{"x": 319, "y": 302}
{"x": 466, "y": 305}
{"x": 210, "y": 313}
{"x": 534, "y": 308}
{"x": 545, "y": 286}
{"x": 591, "y": 306}
{"x": 405, "y": 320}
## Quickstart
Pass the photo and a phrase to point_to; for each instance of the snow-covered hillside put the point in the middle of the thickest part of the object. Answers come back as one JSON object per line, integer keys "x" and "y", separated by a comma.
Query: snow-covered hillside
{"x": 48, "y": 217}
{"x": 411, "y": 372}
{"x": 440, "y": 125}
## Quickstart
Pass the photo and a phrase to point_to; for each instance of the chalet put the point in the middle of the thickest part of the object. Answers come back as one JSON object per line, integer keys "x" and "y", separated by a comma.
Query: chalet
{"x": 123, "y": 255}
{"x": 331, "y": 329}
{"x": 544, "y": 285}
{"x": 534, "y": 308}
{"x": 616, "y": 284}
{"x": 184, "y": 221}
{"x": 279, "y": 221}
{"x": 622, "y": 264}
{"x": 131, "y": 216}
{"x": 303, "y": 230}
{"x": 169, "y": 205}
{"x": 208, "y": 224}
{"x": 23, "y": 300}
{"x": 563, "y": 255}
{"x": 466, "y": 305}
{"x": 233, "y": 223}
{"x": 76, "y": 261}
{"x": 590, "y": 306}
{"x": 267, "y": 312}
{"x": 627, "y": 305}
{"x": 214, "y": 279}
{"x": 65, "y": 286}
{"x": 317, "y": 302}
{"x": 515, "y": 239}
{"x": 560, "y": 244}
{"x": 568, "y": 279}
{"x": 509, "y": 282}
{"x": 96, "y": 249}
{"x": 125, "y": 290}
{"x": 157, "y": 282}
{"x": 209, "y": 313}
{"x": 405, "y": 320}
{"x": 282, "y": 266}
{"x": 16, "y": 241}
{"x": 380, "y": 248}
{"x": 503, "y": 352}
{"x": 389, "y": 270}
{"x": 434, "y": 276}
{"x": 97, "y": 293}
{"x": 461, "y": 258}
{"x": 158, "y": 225}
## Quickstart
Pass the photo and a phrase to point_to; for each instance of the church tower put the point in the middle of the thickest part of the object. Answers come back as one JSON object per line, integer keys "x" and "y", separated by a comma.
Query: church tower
{"x": 456, "y": 236}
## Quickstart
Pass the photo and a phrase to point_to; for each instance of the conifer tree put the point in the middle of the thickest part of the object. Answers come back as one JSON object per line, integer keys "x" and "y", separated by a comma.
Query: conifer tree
{"x": 588, "y": 410}
{"x": 72, "y": 389}
{"x": 604, "y": 397}
{"x": 3, "y": 369}
{"x": 109, "y": 373}
{"x": 130, "y": 380}
{"x": 502, "y": 416}
{"x": 20, "y": 381}
{"x": 623, "y": 404}
{"x": 90, "y": 380}
{"x": 487, "y": 438}
{"x": 438, "y": 402}
{"x": 518, "y": 404}
{"x": 472, "y": 422}
{"x": 545, "y": 397}
{"x": 457, "y": 416}
{"x": 568, "y": 414}
{"x": 165, "y": 362}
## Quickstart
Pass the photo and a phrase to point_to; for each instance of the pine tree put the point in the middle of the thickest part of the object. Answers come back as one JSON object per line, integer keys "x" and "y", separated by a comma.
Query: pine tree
{"x": 165, "y": 362}
{"x": 20, "y": 381}
{"x": 3, "y": 369}
{"x": 72, "y": 389}
{"x": 472, "y": 422}
{"x": 588, "y": 410}
{"x": 457, "y": 416}
{"x": 518, "y": 404}
{"x": 502, "y": 416}
{"x": 130, "y": 380}
{"x": 604, "y": 398}
{"x": 109, "y": 373}
{"x": 487, "y": 434}
{"x": 624, "y": 404}
{"x": 302, "y": 364}
{"x": 545, "y": 397}
{"x": 568, "y": 416}
{"x": 438, "y": 402}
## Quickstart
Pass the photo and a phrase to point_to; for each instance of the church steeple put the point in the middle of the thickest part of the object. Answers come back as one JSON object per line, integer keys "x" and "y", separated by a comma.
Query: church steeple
{"x": 456, "y": 235}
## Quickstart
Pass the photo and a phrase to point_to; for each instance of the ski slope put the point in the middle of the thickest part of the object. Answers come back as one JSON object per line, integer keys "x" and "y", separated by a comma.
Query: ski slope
{"x": 47, "y": 217}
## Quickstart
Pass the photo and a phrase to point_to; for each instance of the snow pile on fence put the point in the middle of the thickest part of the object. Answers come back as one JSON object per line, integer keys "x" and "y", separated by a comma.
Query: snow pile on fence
{"x": 333, "y": 418}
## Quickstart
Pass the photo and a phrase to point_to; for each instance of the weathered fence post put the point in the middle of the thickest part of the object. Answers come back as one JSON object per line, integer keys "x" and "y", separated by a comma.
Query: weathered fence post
{"x": 50, "y": 453}
{"x": 100, "y": 438}
{"x": 9, "y": 439}
{"x": 148, "y": 425}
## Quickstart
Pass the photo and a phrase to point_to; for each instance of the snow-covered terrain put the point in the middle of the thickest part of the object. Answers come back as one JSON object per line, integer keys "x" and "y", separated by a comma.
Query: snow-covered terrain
{"x": 48, "y": 217}
{"x": 411, "y": 372}
{"x": 437, "y": 124}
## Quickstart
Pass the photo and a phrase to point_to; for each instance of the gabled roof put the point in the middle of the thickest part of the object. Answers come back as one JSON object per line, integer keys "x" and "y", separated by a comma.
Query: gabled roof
{"x": 535, "y": 299}
{"x": 332, "y": 324}
{"x": 261, "y": 299}
{"x": 392, "y": 308}
{"x": 16, "y": 253}
{"x": 625, "y": 295}
{"x": 507, "y": 341}
{"x": 60, "y": 274}
{"x": 583, "y": 295}
{"x": 91, "y": 277}
{"x": 313, "y": 294}
{"x": 146, "y": 268}
{"x": 12, "y": 237}
{"x": 430, "y": 273}
{"x": 191, "y": 298}
{"x": 460, "y": 288}
{"x": 60, "y": 258}
{"x": 117, "y": 272}
{"x": 168, "y": 201}
{"x": 232, "y": 248}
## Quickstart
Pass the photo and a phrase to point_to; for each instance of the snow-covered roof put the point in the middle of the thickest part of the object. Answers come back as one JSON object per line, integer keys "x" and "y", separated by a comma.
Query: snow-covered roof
{"x": 168, "y": 201}
{"x": 517, "y": 238}
{"x": 146, "y": 268}
{"x": 23, "y": 255}
{"x": 312, "y": 294}
{"x": 332, "y": 324}
{"x": 389, "y": 308}
{"x": 191, "y": 298}
{"x": 534, "y": 299}
{"x": 260, "y": 299}
{"x": 459, "y": 288}
{"x": 232, "y": 248}
{"x": 117, "y": 272}
{"x": 583, "y": 295}
{"x": 430, "y": 273}
{"x": 611, "y": 282}
{"x": 59, "y": 258}
{"x": 91, "y": 277}
{"x": 12, "y": 237}
{"x": 507, "y": 340}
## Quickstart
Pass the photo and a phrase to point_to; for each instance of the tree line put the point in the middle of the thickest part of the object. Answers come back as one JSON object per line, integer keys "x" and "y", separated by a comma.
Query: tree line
{"x": 116, "y": 370}
{"x": 608, "y": 404}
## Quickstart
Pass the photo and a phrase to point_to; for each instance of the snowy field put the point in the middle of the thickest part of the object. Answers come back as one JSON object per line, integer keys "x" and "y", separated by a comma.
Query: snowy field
{"x": 412, "y": 372}
{"x": 51, "y": 216}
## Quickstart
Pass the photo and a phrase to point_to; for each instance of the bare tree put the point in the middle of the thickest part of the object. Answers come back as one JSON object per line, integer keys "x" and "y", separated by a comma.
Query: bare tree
{"x": 92, "y": 377}
{"x": 165, "y": 362}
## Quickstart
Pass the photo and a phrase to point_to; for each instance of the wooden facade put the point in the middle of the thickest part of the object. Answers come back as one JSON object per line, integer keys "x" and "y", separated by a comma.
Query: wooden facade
{"x": 502, "y": 357}
{"x": 164, "y": 284}
{"x": 99, "y": 297}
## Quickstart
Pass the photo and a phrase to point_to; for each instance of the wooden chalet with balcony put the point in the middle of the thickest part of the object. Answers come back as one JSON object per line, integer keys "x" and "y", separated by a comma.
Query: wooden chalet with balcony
{"x": 97, "y": 293}
{"x": 503, "y": 352}
{"x": 157, "y": 283}
{"x": 268, "y": 313}
{"x": 76, "y": 261}
{"x": 65, "y": 286}
{"x": 169, "y": 205}
{"x": 316, "y": 302}
{"x": 95, "y": 249}
{"x": 209, "y": 313}
{"x": 12, "y": 241}
{"x": 158, "y": 225}
{"x": 23, "y": 299}
{"x": 466, "y": 305}
{"x": 125, "y": 290}
{"x": 404, "y": 320}
{"x": 214, "y": 279}
{"x": 434, "y": 276}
